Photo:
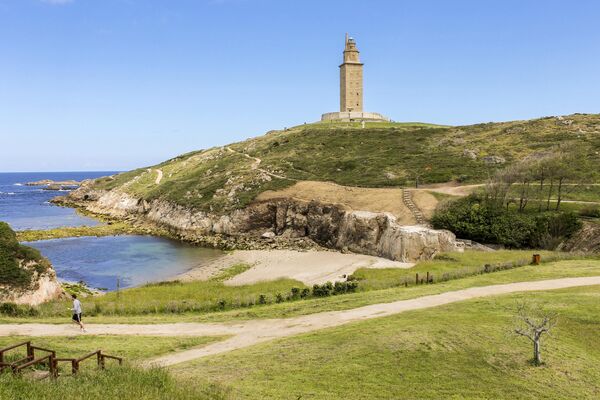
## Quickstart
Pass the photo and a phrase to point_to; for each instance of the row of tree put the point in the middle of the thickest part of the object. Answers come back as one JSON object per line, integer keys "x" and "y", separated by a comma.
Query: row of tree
{"x": 540, "y": 180}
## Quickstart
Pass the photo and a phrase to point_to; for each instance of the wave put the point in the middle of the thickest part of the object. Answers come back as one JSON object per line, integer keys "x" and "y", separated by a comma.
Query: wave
{"x": 17, "y": 184}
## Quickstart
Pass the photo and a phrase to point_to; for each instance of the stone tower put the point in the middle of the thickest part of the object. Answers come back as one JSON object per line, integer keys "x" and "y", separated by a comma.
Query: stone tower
{"x": 351, "y": 90}
{"x": 351, "y": 79}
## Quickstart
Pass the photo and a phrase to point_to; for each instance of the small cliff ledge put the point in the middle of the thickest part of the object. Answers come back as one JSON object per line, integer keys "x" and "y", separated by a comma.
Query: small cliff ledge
{"x": 329, "y": 225}
{"x": 25, "y": 276}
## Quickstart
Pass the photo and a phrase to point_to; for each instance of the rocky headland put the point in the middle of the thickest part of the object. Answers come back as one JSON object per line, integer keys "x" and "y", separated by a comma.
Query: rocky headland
{"x": 49, "y": 184}
{"x": 274, "y": 224}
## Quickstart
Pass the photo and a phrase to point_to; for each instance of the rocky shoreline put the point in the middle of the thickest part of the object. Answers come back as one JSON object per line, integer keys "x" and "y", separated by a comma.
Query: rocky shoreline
{"x": 274, "y": 224}
{"x": 49, "y": 184}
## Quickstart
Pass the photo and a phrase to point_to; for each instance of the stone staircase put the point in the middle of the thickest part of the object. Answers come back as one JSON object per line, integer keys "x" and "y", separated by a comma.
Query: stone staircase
{"x": 408, "y": 202}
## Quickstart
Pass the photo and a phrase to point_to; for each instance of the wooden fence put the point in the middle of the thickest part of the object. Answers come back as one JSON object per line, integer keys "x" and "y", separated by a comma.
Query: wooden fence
{"x": 49, "y": 359}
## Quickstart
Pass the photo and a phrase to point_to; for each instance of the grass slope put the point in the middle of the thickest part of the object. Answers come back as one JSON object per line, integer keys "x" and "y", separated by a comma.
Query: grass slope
{"x": 551, "y": 270}
{"x": 380, "y": 155}
{"x": 458, "y": 351}
{"x": 113, "y": 383}
{"x": 17, "y": 262}
{"x": 132, "y": 348}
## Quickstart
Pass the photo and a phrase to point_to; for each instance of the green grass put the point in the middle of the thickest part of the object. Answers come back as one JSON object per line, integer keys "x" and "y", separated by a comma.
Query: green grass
{"x": 552, "y": 270}
{"x": 115, "y": 228}
{"x": 450, "y": 266}
{"x": 583, "y": 192}
{"x": 218, "y": 181}
{"x": 459, "y": 351}
{"x": 114, "y": 383}
{"x": 177, "y": 297}
{"x": 132, "y": 348}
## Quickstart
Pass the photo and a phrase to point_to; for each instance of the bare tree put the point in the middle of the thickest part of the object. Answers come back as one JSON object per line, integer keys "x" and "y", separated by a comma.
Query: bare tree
{"x": 532, "y": 325}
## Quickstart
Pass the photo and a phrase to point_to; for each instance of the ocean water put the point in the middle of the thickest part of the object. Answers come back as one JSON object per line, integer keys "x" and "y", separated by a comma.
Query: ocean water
{"x": 133, "y": 259}
{"x": 28, "y": 207}
{"x": 99, "y": 262}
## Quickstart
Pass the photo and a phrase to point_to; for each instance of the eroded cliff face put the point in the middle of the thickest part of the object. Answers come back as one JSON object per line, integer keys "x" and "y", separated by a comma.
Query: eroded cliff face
{"x": 332, "y": 226}
{"x": 44, "y": 287}
{"x": 586, "y": 240}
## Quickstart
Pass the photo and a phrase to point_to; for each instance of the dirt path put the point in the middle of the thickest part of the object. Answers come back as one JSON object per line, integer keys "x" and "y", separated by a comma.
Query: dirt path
{"x": 159, "y": 176}
{"x": 256, "y": 163}
{"x": 248, "y": 333}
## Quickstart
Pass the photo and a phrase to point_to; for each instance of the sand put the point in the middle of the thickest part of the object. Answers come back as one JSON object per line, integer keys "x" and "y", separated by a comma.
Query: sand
{"x": 308, "y": 267}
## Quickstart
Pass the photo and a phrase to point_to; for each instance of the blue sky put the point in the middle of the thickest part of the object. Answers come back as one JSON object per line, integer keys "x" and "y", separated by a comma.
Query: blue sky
{"x": 118, "y": 84}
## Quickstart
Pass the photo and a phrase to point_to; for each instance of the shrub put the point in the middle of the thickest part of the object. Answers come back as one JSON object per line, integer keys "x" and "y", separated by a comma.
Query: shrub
{"x": 262, "y": 299}
{"x": 304, "y": 293}
{"x": 470, "y": 218}
{"x": 295, "y": 293}
{"x": 323, "y": 290}
{"x": 10, "y": 309}
{"x": 279, "y": 298}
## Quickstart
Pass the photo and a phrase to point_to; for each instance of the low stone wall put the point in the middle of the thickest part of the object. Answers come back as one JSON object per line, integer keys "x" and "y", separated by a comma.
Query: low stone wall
{"x": 350, "y": 116}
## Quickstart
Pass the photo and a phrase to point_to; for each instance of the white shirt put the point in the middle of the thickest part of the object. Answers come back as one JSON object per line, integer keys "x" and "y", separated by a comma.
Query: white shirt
{"x": 76, "y": 306}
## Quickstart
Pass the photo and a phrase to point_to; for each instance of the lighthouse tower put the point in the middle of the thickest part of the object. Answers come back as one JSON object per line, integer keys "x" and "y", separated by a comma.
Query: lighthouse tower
{"x": 351, "y": 79}
{"x": 351, "y": 89}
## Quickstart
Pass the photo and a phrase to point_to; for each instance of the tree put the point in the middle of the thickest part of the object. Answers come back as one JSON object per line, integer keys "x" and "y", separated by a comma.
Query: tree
{"x": 532, "y": 325}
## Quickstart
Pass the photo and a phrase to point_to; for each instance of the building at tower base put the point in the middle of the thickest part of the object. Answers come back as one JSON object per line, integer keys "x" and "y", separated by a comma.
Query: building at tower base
{"x": 351, "y": 89}
{"x": 351, "y": 116}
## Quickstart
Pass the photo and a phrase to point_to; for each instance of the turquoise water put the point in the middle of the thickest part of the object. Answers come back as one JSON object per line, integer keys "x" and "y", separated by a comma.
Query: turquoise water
{"x": 134, "y": 260}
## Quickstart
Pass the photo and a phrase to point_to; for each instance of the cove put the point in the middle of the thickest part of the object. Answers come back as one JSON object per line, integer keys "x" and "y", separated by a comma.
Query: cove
{"x": 133, "y": 259}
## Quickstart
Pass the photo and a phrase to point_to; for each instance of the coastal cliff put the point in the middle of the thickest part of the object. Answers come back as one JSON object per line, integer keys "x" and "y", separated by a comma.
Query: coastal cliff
{"x": 25, "y": 276}
{"x": 328, "y": 225}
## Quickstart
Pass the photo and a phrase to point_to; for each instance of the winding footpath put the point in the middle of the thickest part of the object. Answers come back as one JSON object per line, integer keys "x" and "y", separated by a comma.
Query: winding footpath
{"x": 256, "y": 163}
{"x": 248, "y": 333}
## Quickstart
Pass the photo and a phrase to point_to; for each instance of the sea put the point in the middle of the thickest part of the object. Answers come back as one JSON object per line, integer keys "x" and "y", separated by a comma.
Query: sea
{"x": 100, "y": 262}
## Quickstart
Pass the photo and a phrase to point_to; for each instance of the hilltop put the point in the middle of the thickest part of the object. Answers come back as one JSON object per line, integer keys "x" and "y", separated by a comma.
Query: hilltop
{"x": 337, "y": 185}
{"x": 380, "y": 155}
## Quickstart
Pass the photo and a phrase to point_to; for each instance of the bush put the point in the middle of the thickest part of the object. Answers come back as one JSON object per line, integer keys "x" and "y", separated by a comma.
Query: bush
{"x": 10, "y": 309}
{"x": 470, "y": 218}
{"x": 262, "y": 299}
{"x": 15, "y": 310}
{"x": 323, "y": 290}
{"x": 295, "y": 293}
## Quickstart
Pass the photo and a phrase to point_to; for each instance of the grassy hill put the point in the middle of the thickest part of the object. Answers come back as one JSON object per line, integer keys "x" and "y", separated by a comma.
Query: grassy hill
{"x": 378, "y": 155}
{"x": 458, "y": 351}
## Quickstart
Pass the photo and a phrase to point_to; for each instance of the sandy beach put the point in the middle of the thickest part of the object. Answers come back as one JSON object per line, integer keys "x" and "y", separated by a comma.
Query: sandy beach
{"x": 309, "y": 267}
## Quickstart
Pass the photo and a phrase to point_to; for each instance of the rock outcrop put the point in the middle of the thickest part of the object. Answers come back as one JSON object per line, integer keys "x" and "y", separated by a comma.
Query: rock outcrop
{"x": 329, "y": 225}
{"x": 43, "y": 288}
{"x": 25, "y": 276}
{"x": 587, "y": 239}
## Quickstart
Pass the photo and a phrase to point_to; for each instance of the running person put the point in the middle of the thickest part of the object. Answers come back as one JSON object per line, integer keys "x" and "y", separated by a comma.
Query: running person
{"x": 77, "y": 312}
